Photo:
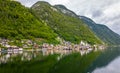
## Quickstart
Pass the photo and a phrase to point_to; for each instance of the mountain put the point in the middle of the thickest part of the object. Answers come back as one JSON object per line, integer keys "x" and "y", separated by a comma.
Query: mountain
{"x": 18, "y": 22}
{"x": 66, "y": 11}
{"x": 67, "y": 27}
{"x": 102, "y": 31}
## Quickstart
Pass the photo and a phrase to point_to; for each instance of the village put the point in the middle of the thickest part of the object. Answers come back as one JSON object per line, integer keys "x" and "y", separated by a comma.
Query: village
{"x": 65, "y": 48}
{"x": 46, "y": 49}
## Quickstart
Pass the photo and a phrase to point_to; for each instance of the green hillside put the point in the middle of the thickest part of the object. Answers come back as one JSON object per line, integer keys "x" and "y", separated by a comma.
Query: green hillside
{"x": 102, "y": 31}
{"x": 17, "y": 22}
{"x": 69, "y": 28}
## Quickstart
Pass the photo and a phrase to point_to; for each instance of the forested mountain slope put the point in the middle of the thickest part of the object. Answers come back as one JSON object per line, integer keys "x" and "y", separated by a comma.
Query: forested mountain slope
{"x": 17, "y": 22}
{"x": 69, "y": 28}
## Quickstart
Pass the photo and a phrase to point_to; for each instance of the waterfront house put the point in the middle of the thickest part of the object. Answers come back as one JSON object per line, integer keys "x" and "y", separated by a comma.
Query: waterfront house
{"x": 20, "y": 49}
{"x": 14, "y": 49}
{"x": 10, "y": 49}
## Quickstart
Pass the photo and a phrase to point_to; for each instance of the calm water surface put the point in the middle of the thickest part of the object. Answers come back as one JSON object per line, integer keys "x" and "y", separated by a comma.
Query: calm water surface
{"x": 107, "y": 62}
{"x": 21, "y": 55}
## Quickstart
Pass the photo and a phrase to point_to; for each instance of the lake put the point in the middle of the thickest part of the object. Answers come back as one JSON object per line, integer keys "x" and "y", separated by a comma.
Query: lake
{"x": 107, "y": 61}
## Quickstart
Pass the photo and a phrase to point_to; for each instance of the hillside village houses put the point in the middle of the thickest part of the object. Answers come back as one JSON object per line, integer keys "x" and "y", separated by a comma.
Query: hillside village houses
{"x": 67, "y": 48}
{"x": 63, "y": 48}
{"x": 5, "y": 43}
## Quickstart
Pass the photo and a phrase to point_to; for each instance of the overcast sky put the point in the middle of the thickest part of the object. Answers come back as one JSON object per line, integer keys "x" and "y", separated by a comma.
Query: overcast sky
{"x": 101, "y": 11}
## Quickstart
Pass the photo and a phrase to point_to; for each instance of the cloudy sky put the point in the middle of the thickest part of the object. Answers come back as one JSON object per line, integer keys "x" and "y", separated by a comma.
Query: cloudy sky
{"x": 101, "y": 11}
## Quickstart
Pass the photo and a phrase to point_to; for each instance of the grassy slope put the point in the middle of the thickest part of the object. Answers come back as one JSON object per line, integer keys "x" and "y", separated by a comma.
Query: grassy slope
{"x": 69, "y": 28}
{"x": 16, "y": 21}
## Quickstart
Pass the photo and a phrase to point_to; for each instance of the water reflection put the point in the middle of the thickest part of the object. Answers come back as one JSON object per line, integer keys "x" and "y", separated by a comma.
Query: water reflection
{"x": 75, "y": 62}
{"x": 107, "y": 62}
{"x": 6, "y": 56}
{"x": 22, "y": 55}
{"x": 110, "y": 68}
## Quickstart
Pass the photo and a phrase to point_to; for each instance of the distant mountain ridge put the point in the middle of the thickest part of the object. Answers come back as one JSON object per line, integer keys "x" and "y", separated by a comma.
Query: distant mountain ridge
{"x": 66, "y": 11}
{"x": 64, "y": 23}
{"x": 102, "y": 31}
{"x": 49, "y": 22}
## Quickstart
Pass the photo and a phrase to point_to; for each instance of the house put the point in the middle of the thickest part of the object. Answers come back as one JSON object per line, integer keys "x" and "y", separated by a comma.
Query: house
{"x": 10, "y": 49}
{"x": 16, "y": 50}
{"x": 25, "y": 46}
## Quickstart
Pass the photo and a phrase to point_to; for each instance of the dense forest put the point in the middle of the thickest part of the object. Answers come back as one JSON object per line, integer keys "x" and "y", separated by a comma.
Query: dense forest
{"x": 17, "y": 22}
{"x": 69, "y": 28}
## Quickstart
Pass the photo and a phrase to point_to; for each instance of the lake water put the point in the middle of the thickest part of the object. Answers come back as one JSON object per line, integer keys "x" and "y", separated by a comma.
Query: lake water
{"x": 107, "y": 61}
{"x": 21, "y": 55}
